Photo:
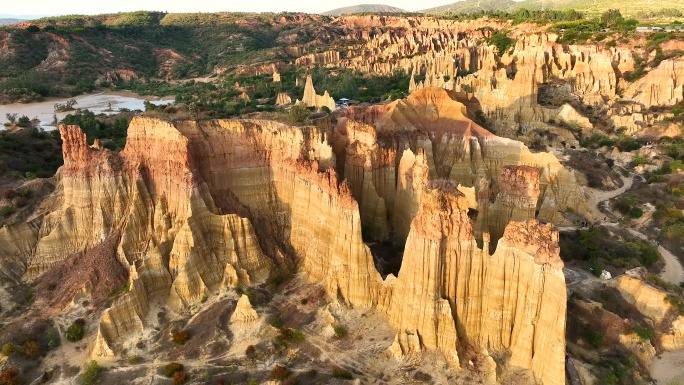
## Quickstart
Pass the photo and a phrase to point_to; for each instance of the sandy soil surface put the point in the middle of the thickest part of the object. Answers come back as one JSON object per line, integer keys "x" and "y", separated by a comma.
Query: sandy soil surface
{"x": 595, "y": 197}
{"x": 98, "y": 103}
{"x": 667, "y": 368}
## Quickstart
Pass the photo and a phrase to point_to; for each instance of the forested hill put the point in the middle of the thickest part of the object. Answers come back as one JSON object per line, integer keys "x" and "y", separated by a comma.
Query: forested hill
{"x": 61, "y": 56}
{"x": 637, "y": 8}
{"x": 364, "y": 8}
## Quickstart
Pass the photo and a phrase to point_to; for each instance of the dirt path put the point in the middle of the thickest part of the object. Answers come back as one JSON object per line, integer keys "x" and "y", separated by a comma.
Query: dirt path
{"x": 598, "y": 196}
{"x": 673, "y": 271}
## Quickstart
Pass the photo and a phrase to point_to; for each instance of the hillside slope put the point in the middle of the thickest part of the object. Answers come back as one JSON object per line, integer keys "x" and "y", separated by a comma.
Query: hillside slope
{"x": 363, "y": 8}
{"x": 628, "y": 8}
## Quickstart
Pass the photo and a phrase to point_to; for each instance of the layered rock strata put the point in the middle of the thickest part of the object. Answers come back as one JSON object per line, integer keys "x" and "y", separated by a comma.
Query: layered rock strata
{"x": 509, "y": 181}
{"x": 206, "y": 205}
{"x": 312, "y": 99}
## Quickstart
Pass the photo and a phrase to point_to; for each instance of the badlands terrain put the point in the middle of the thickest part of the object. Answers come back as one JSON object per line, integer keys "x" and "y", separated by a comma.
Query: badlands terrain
{"x": 499, "y": 202}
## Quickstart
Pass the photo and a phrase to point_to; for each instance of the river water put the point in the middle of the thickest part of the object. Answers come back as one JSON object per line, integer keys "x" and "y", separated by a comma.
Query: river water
{"x": 97, "y": 103}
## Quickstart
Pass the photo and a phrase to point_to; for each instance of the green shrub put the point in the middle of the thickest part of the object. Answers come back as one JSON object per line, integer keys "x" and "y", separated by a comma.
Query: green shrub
{"x": 30, "y": 175}
{"x": 501, "y": 40}
{"x": 91, "y": 371}
{"x": 636, "y": 212}
{"x": 25, "y": 192}
{"x": 8, "y": 349}
{"x": 6, "y": 211}
{"x": 593, "y": 337}
{"x": 299, "y": 113}
{"x": 340, "y": 331}
{"x": 676, "y": 302}
{"x": 277, "y": 322}
{"x": 172, "y": 368}
{"x": 639, "y": 160}
{"x": 76, "y": 330}
{"x": 596, "y": 267}
{"x": 288, "y": 335}
{"x": 52, "y": 336}
{"x": 676, "y": 165}
{"x": 134, "y": 359}
{"x": 644, "y": 333}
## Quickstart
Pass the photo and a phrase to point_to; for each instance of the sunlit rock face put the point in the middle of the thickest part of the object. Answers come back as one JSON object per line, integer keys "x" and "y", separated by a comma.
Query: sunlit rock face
{"x": 194, "y": 207}
{"x": 509, "y": 181}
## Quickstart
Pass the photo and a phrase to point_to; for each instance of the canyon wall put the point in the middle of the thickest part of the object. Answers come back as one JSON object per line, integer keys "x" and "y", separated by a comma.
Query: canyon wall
{"x": 205, "y": 205}
{"x": 371, "y": 142}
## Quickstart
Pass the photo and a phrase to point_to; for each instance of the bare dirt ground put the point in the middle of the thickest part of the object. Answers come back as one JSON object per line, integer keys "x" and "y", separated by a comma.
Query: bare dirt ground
{"x": 667, "y": 368}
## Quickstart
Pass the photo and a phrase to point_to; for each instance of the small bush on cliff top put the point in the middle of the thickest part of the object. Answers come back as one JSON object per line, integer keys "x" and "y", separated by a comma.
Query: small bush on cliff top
{"x": 594, "y": 338}
{"x": 644, "y": 333}
{"x": 6, "y": 211}
{"x": 76, "y": 330}
{"x": 340, "y": 331}
{"x": 288, "y": 335}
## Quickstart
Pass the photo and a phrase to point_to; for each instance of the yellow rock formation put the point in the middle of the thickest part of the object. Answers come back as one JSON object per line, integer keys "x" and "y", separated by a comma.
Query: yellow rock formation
{"x": 244, "y": 312}
{"x": 311, "y": 99}
{"x": 205, "y": 205}
{"x": 648, "y": 300}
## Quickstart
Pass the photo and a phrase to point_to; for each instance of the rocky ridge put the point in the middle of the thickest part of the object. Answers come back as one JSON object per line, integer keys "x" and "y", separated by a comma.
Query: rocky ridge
{"x": 206, "y": 205}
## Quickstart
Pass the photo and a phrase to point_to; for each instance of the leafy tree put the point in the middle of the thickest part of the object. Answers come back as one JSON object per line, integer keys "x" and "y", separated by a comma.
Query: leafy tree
{"x": 12, "y": 118}
{"x": 299, "y": 113}
{"x": 611, "y": 17}
{"x": 24, "y": 121}
{"x": 501, "y": 40}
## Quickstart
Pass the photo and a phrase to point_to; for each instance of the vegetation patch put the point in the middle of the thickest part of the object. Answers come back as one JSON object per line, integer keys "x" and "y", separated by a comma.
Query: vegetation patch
{"x": 76, "y": 330}
{"x": 91, "y": 372}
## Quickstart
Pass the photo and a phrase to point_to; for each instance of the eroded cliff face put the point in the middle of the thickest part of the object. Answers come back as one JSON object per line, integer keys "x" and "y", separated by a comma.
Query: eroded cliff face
{"x": 509, "y": 181}
{"x": 193, "y": 207}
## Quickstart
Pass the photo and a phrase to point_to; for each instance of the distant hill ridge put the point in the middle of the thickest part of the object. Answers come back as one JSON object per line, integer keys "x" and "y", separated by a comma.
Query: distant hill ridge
{"x": 628, "y": 8}
{"x": 364, "y": 8}
{"x": 10, "y": 21}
